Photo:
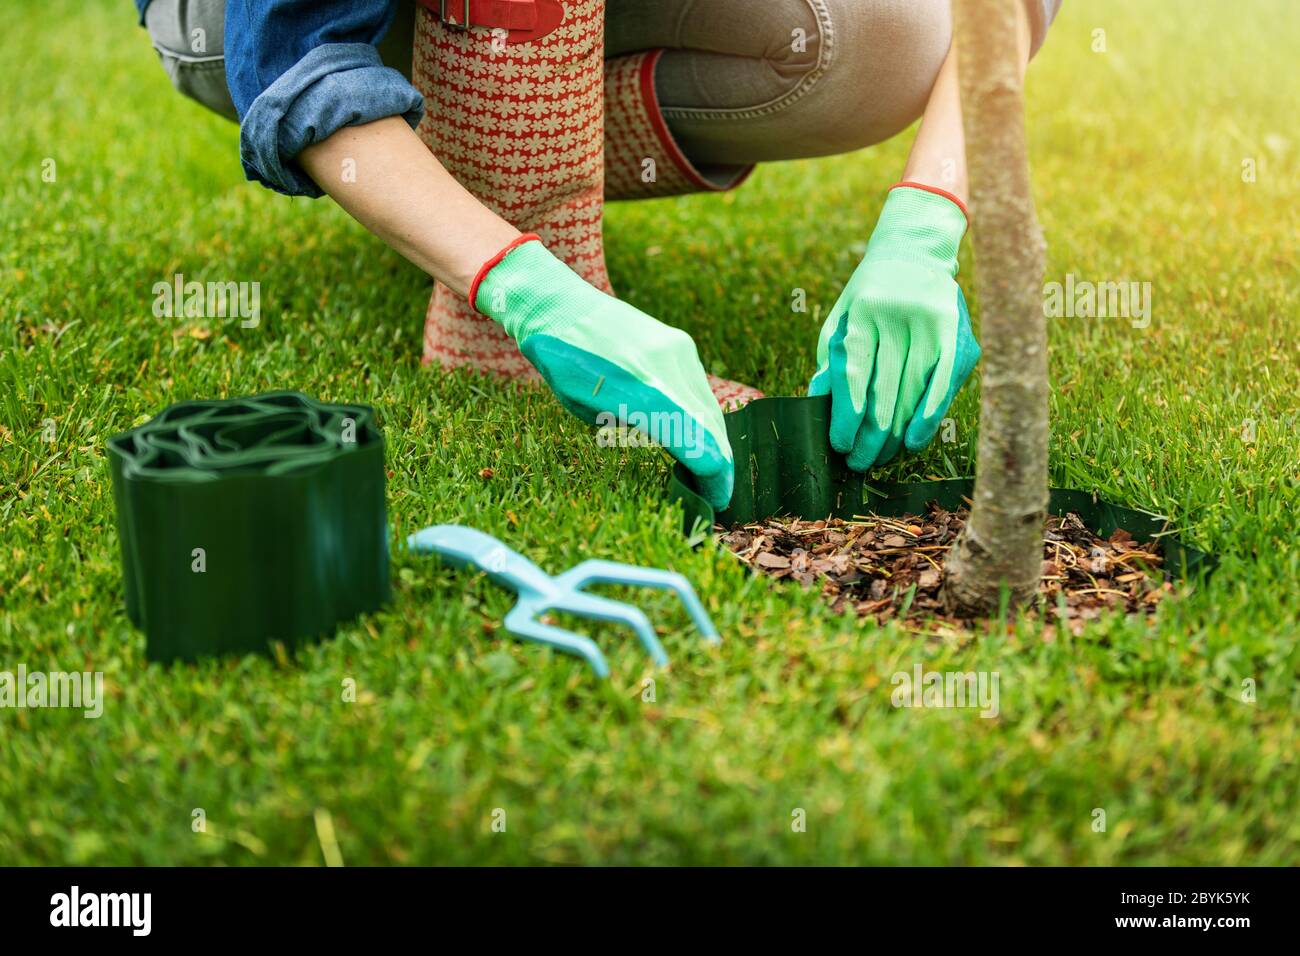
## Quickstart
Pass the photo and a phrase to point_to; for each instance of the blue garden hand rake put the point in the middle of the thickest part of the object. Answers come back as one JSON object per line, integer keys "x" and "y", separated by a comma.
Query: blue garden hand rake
{"x": 539, "y": 592}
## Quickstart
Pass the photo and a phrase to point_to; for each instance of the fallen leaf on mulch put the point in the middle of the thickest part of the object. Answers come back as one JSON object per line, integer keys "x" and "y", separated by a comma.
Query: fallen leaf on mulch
{"x": 893, "y": 567}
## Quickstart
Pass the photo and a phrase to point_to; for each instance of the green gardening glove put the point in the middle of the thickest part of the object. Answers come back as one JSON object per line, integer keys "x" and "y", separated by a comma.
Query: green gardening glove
{"x": 898, "y": 344}
{"x": 607, "y": 362}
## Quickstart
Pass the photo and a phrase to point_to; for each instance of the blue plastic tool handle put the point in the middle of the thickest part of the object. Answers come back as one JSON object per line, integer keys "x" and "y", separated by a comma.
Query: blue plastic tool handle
{"x": 462, "y": 547}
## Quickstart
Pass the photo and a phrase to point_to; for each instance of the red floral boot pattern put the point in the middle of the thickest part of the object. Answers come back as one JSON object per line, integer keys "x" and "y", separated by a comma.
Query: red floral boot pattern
{"x": 520, "y": 126}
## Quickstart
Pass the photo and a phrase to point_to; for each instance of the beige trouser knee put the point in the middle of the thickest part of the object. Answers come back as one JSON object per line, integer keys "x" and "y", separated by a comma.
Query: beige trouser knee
{"x": 747, "y": 81}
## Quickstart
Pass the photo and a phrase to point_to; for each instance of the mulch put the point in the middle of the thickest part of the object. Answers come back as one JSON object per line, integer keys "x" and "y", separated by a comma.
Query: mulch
{"x": 892, "y": 568}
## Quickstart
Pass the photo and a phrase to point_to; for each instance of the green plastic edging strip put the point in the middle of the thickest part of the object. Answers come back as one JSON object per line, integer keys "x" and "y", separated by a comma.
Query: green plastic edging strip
{"x": 786, "y": 466}
{"x": 249, "y": 521}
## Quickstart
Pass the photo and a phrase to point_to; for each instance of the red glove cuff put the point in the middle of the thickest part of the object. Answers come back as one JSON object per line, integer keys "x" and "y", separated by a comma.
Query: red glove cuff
{"x": 487, "y": 266}
{"x": 938, "y": 192}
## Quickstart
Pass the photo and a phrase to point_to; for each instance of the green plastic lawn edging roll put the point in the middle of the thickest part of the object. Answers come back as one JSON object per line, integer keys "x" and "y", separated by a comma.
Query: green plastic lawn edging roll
{"x": 249, "y": 521}
{"x": 786, "y": 466}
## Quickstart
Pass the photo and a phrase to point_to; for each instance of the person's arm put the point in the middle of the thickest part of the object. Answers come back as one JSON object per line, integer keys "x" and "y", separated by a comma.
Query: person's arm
{"x": 938, "y": 156}
{"x": 320, "y": 113}
{"x": 299, "y": 71}
{"x": 398, "y": 190}
{"x": 563, "y": 325}
{"x": 898, "y": 343}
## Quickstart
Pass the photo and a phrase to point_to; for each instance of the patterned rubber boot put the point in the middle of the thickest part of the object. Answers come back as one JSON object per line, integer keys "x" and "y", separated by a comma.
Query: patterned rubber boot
{"x": 518, "y": 123}
{"x": 518, "y": 118}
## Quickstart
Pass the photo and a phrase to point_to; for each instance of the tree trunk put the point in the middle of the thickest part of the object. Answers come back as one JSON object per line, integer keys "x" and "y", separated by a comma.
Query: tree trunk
{"x": 1001, "y": 544}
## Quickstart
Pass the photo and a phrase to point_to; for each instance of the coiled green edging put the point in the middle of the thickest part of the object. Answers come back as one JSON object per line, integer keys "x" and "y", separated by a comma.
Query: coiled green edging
{"x": 249, "y": 521}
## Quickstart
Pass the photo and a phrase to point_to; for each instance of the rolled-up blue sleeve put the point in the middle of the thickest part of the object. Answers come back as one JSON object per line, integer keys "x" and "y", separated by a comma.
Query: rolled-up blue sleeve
{"x": 298, "y": 71}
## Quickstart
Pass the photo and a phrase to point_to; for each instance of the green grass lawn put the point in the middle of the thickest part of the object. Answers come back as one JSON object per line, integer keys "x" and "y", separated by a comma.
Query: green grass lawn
{"x": 1138, "y": 155}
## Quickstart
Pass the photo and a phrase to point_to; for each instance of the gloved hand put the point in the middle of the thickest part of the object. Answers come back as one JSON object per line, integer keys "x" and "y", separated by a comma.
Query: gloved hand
{"x": 607, "y": 362}
{"x": 898, "y": 344}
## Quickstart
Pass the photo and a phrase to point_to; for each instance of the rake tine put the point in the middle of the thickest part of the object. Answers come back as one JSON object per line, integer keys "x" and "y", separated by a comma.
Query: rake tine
{"x": 597, "y": 571}
{"x": 521, "y": 623}
{"x": 603, "y": 609}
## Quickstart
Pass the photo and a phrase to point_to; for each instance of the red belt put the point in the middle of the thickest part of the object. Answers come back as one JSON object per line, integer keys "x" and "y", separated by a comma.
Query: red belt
{"x": 522, "y": 19}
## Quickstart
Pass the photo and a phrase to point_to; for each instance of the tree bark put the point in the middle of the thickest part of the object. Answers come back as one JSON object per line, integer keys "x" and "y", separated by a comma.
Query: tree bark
{"x": 1001, "y": 544}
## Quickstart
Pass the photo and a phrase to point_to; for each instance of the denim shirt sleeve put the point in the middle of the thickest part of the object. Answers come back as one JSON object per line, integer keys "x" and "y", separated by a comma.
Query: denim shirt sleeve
{"x": 298, "y": 71}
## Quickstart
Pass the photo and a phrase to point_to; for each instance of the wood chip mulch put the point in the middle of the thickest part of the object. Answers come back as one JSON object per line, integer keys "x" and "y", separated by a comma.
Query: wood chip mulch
{"x": 887, "y": 568}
